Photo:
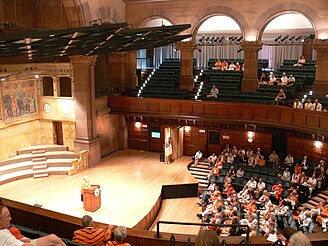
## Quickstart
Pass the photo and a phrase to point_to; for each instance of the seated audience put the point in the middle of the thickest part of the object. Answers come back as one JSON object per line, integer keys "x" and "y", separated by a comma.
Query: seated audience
{"x": 299, "y": 239}
{"x": 232, "y": 66}
{"x": 292, "y": 199}
{"x": 286, "y": 175}
{"x": 7, "y": 238}
{"x": 212, "y": 160}
{"x": 90, "y": 235}
{"x": 251, "y": 183}
{"x": 274, "y": 157}
{"x": 316, "y": 105}
{"x": 297, "y": 104}
{"x": 308, "y": 105}
{"x": 301, "y": 61}
{"x": 230, "y": 158}
{"x": 281, "y": 98}
{"x": 291, "y": 80}
{"x": 289, "y": 160}
{"x": 272, "y": 79}
{"x": 214, "y": 92}
{"x": 304, "y": 163}
{"x": 283, "y": 79}
{"x": 217, "y": 65}
{"x": 120, "y": 234}
{"x": 260, "y": 187}
{"x": 276, "y": 192}
{"x": 225, "y": 65}
{"x": 240, "y": 173}
{"x": 261, "y": 161}
{"x": 322, "y": 218}
{"x": 237, "y": 66}
{"x": 312, "y": 184}
{"x": 198, "y": 156}
{"x": 263, "y": 79}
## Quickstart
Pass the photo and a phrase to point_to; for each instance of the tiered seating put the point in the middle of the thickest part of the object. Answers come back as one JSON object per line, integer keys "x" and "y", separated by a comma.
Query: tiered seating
{"x": 164, "y": 82}
{"x": 322, "y": 100}
{"x": 37, "y": 161}
{"x": 262, "y": 63}
{"x": 304, "y": 73}
{"x": 274, "y": 89}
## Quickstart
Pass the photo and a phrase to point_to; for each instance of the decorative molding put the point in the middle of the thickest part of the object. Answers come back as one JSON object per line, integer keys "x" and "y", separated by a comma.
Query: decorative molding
{"x": 83, "y": 60}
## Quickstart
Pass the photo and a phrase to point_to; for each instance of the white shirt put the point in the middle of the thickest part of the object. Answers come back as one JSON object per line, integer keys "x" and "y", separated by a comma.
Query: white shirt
{"x": 261, "y": 186}
{"x": 7, "y": 239}
{"x": 251, "y": 184}
{"x": 289, "y": 160}
{"x": 230, "y": 159}
{"x": 198, "y": 155}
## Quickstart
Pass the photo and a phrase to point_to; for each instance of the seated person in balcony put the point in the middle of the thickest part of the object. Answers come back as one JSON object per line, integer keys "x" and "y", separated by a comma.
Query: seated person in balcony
{"x": 214, "y": 92}
{"x": 198, "y": 156}
{"x": 261, "y": 162}
{"x": 240, "y": 173}
{"x": 232, "y": 66}
{"x": 297, "y": 104}
{"x": 7, "y": 238}
{"x": 301, "y": 61}
{"x": 120, "y": 234}
{"x": 272, "y": 79}
{"x": 291, "y": 80}
{"x": 230, "y": 158}
{"x": 274, "y": 157}
{"x": 90, "y": 235}
{"x": 289, "y": 160}
{"x": 308, "y": 105}
{"x": 237, "y": 66}
{"x": 304, "y": 163}
{"x": 283, "y": 79}
{"x": 316, "y": 105}
{"x": 281, "y": 98}
{"x": 212, "y": 160}
{"x": 225, "y": 65}
{"x": 263, "y": 79}
{"x": 217, "y": 65}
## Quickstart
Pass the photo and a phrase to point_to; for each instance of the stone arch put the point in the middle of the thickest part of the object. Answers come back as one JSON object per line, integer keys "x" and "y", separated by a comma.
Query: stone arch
{"x": 75, "y": 11}
{"x": 145, "y": 20}
{"x": 202, "y": 16}
{"x": 285, "y": 8}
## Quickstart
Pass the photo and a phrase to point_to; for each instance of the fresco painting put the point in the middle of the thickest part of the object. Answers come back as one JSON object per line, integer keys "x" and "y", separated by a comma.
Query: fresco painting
{"x": 19, "y": 98}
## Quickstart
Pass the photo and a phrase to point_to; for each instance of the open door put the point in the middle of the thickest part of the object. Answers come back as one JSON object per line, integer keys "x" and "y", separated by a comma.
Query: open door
{"x": 176, "y": 136}
{"x": 58, "y": 132}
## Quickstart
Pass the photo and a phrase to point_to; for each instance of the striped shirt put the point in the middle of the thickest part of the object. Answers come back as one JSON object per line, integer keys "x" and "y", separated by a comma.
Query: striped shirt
{"x": 92, "y": 236}
{"x": 114, "y": 243}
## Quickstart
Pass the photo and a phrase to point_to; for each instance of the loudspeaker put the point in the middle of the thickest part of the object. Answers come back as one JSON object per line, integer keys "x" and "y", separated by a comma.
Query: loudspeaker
{"x": 161, "y": 157}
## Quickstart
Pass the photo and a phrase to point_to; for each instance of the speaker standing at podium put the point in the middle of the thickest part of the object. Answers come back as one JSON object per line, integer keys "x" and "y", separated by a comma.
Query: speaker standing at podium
{"x": 85, "y": 185}
{"x": 168, "y": 151}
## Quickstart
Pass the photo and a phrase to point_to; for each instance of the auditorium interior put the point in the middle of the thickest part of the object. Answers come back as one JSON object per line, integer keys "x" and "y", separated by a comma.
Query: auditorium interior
{"x": 127, "y": 91}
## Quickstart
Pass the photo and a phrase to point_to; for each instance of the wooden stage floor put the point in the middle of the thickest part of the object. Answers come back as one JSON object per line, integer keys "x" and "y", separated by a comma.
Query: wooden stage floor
{"x": 130, "y": 181}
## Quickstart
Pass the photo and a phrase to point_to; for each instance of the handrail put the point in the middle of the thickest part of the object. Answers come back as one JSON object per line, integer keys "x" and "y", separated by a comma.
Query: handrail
{"x": 158, "y": 235}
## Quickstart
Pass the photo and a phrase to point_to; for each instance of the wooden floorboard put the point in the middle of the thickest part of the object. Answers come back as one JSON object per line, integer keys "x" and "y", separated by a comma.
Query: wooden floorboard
{"x": 180, "y": 210}
{"x": 130, "y": 183}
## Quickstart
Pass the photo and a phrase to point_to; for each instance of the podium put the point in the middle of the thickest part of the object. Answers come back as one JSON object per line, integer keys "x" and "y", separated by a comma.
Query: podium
{"x": 92, "y": 198}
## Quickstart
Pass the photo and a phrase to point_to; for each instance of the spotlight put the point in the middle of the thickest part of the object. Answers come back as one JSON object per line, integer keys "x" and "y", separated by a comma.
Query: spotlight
{"x": 2, "y": 79}
{"x": 37, "y": 76}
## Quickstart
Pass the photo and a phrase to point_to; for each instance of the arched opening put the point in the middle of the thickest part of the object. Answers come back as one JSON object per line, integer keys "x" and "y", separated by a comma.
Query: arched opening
{"x": 287, "y": 37}
{"x": 218, "y": 37}
{"x": 152, "y": 58}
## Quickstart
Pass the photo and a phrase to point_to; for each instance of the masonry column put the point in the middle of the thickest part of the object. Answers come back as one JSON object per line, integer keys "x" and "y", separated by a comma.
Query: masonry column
{"x": 56, "y": 85}
{"x": 123, "y": 133}
{"x": 320, "y": 86}
{"x": 85, "y": 108}
{"x": 132, "y": 70}
{"x": 250, "y": 80}
{"x": 187, "y": 70}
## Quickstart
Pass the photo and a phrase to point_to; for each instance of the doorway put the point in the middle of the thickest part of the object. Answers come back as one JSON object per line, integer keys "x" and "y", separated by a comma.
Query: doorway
{"x": 58, "y": 132}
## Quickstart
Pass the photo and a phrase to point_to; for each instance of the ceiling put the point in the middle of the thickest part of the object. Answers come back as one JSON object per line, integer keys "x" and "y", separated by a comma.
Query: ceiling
{"x": 92, "y": 40}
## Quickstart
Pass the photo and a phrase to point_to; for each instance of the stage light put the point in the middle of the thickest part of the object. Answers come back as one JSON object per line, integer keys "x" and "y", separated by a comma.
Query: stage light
{"x": 201, "y": 131}
{"x": 318, "y": 144}
{"x": 188, "y": 128}
{"x": 137, "y": 124}
{"x": 37, "y": 76}
{"x": 310, "y": 93}
{"x": 250, "y": 136}
{"x": 2, "y": 79}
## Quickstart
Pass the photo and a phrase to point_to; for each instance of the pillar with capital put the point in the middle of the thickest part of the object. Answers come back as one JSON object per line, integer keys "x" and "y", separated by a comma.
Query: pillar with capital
{"x": 85, "y": 110}
{"x": 320, "y": 86}
{"x": 250, "y": 80}
{"x": 187, "y": 70}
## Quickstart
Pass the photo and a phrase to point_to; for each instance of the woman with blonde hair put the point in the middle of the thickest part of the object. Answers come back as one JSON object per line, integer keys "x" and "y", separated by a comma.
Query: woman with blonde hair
{"x": 207, "y": 238}
{"x": 299, "y": 239}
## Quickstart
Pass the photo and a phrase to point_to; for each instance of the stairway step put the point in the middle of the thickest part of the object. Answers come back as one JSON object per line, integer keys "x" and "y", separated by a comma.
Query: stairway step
{"x": 314, "y": 203}
{"x": 325, "y": 192}
{"x": 41, "y": 151}
{"x": 318, "y": 199}
{"x": 40, "y": 175}
{"x": 40, "y": 167}
{"x": 199, "y": 171}
{"x": 323, "y": 196}
{"x": 38, "y": 159}
{"x": 308, "y": 206}
{"x": 199, "y": 177}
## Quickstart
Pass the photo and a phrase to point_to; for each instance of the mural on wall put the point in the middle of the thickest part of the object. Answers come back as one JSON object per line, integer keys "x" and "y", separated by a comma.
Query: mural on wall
{"x": 19, "y": 98}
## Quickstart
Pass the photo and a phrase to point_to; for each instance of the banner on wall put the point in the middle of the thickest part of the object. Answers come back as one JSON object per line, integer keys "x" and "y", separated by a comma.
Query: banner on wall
{"x": 19, "y": 99}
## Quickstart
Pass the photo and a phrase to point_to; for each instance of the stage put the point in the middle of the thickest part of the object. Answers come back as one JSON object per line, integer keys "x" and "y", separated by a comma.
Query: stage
{"x": 131, "y": 183}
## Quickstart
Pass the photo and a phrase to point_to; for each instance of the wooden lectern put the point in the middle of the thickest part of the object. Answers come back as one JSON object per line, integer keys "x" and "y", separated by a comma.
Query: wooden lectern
{"x": 92, "y": 198}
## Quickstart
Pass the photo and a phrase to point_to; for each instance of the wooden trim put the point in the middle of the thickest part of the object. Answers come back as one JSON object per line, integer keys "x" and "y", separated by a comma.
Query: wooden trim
{"x": 268, "y": 115}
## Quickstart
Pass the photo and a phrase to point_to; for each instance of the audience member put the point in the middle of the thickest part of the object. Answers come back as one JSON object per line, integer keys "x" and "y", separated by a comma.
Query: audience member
{"x": 274, "y": 157}
{"x": 299, "y": 239}
{"x": 207, "y": 238}
{"x": 240, "y": 173}
{"x": 301, "y": 61}
{"x": 212, "y": 160}
{"x": 7, "y": 238}
{"x": 297, "y": 104}
{"x": 272, "y": 79}
{"x": 283, "y": 79}
{"x": 90, "y": 235}
{"x": 289, "y": 160}
{"x": 120, "y": 234}
{"x": 291, "y": 80}
{"x": 232, "y": 66}
{"x": 308, "y": 105}
{"x": 281, "y": 98}
{"x": 198, "y": 156}
{"x": 316, "y": 105}
{"x": 214, "y": 92}
{"x": 286, "y": 175}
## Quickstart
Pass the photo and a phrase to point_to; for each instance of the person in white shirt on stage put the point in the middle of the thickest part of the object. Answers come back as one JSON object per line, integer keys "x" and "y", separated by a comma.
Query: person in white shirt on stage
{"x": 198, "y": 156}
{"x": 168, "y": 151}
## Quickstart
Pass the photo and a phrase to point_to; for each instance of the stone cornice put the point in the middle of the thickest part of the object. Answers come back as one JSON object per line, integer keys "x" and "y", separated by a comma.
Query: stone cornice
{"x": 81, "y": 59}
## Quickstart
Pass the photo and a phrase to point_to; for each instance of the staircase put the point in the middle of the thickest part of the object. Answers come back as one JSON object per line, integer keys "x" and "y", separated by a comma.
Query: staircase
{"x": 200, "y": 172}
{"x": 313, "y": 201}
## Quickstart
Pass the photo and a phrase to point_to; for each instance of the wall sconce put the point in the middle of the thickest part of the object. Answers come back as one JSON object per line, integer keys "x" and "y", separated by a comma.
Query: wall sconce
{"x": 250, "y": 137}
{"x": 318, "y": 144}
{"x": 201, "y": 131}
{"x": 137, "y": 124}
{"x": 187, "y": 129}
